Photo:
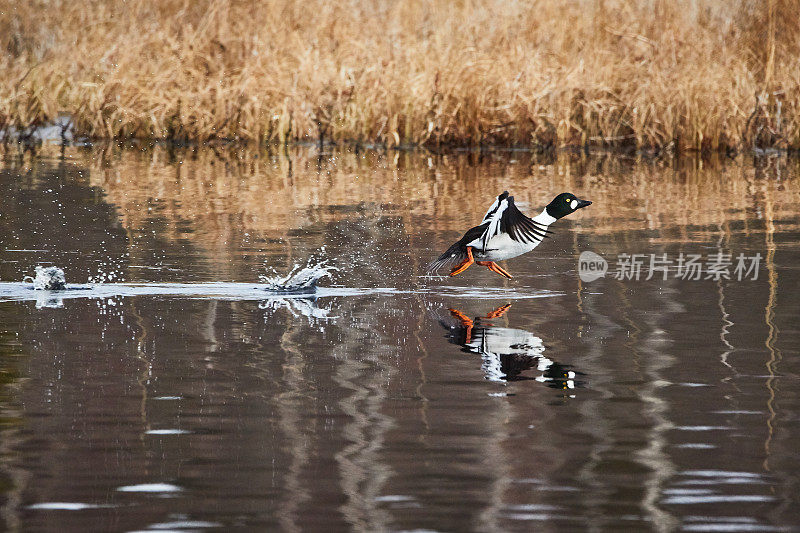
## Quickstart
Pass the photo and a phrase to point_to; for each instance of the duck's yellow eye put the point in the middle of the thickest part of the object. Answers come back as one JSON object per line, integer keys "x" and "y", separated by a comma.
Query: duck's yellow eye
{"x": 566, "y": 200}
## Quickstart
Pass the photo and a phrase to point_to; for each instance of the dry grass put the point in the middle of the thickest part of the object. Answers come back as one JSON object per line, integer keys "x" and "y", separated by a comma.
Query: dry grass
{"x": 681, "y": 74}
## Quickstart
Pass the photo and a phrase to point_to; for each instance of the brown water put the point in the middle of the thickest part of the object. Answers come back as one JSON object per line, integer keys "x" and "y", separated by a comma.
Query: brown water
{"x": 606, "y": 406}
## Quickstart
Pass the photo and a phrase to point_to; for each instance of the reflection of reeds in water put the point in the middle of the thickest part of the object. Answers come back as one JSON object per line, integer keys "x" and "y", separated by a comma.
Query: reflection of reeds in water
{"x": 223, "y": 194}
{"x": 225, "y": 201}
{"x": 778, "y": 436}
{"x": 289, "y": 405}
{"x": 772, "y": 335}
{"x": 361, "y": 465}
{"x": 645, "y": 351}
{"x": 654, "y": 361}
{"x": 590, "y": 71}
{"x": 360, "y": 370}
{"x": 13, "y": 476}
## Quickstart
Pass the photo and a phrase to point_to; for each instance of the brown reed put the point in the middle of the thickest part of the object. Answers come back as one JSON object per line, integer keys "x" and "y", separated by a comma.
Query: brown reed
{"x": 650, "y": 74}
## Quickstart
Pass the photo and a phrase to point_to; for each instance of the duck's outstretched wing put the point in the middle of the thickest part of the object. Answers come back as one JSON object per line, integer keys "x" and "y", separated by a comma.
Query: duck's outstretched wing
{"x": 492, "y": 220}
{"x": 520, "y": 227}
{"x": 495, "y": 206}
{"x": 505, "y": 217}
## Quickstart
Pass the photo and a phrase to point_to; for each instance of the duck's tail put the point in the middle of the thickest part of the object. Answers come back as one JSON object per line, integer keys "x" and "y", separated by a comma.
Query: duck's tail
{"x": 454, "y": 255}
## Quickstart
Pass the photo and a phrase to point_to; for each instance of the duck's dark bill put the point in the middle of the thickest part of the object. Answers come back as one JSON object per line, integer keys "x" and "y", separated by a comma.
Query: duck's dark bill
{"x": 583, "y": 203}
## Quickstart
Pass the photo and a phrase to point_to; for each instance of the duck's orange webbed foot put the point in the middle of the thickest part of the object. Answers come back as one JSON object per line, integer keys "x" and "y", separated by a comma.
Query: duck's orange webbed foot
{"x": 497, "y": 313}
{"x": 465, "y": 264}
{"x": 494, "y": 267}
{"x": 465, "y": 321}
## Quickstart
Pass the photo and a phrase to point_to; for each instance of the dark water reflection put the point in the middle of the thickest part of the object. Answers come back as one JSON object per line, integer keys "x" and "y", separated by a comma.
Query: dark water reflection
{"x": 610, "y": 405}
{"x": 506, "y": 353}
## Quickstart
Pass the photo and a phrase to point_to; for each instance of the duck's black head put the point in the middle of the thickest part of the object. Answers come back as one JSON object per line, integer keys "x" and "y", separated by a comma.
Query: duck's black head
{"x": 564, "y": 204}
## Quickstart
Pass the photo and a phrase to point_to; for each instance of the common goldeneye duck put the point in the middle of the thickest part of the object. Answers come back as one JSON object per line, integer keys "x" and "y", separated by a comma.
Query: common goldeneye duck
{"x": 505, "y": 233}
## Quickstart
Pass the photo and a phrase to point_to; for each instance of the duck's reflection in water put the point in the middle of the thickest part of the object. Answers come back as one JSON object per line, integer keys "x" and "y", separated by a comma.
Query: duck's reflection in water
{"x": 307, "y": 307}
{"x": 507, "y": 353}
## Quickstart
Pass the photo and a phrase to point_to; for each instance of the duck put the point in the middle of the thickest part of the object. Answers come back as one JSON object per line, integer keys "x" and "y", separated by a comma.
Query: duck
{"x": 505, "y": 232}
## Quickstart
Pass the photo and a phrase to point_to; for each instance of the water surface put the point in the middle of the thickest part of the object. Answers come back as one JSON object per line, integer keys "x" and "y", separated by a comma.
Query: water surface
{"x": 177, "y": 394}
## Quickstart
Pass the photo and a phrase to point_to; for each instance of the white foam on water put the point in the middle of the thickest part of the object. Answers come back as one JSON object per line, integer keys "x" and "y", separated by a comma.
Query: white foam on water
{"x": 541, "y": 517}
{"x": 395, "y": 498}
{"x": 704, "y": 428}
{"x": 68, "y": 506}
{"x": 296, "y": 291}
{"x": 719, "y": 498}
{"x": 299, "y": 279}
{"x": 16, "y": 291}
{"x": 48, "y": 279}
{"x": 182, "y": 525}
{"x": 721, "y": 474}
{"x": 528, "y": 507}
{"x": 150, "y": 487}
{"x": 730, "y": 528}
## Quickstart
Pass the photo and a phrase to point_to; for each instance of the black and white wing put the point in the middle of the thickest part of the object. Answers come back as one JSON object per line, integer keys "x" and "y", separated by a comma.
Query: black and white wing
{"x": 492, "y": 221}
{"x": 520, "y": 227}
{"x": 505, "y": 217}
{"x": 495, "y": 206}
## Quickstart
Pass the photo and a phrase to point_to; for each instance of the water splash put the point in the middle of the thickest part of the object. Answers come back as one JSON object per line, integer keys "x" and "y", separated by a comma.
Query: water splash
{"x": 47, "y": 279}
{"x": 299, "y": 280}
{"x": 110, "y": 270}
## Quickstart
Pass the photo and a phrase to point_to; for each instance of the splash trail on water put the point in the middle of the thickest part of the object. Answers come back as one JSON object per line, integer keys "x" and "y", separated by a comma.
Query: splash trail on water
{"x": 300, "y": 280}
{"x": 49, "y": 289}
{"x": 18, "y": 291}
{"x": 48, "y": 279}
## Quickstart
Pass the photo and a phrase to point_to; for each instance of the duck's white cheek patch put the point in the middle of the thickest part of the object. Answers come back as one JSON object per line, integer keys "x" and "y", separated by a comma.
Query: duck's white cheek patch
{"x": 574, "y": 204}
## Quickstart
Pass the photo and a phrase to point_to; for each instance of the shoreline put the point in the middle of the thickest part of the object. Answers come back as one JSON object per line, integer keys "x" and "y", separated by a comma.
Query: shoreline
{"x": 32, "y": 141}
